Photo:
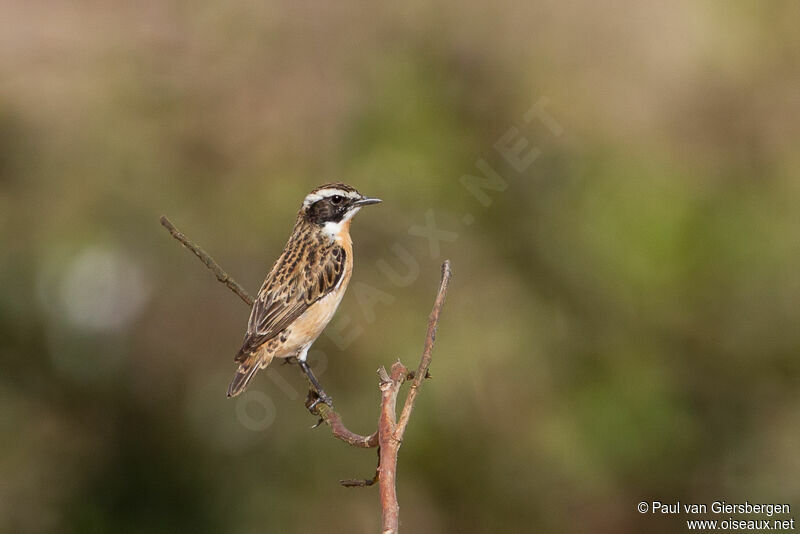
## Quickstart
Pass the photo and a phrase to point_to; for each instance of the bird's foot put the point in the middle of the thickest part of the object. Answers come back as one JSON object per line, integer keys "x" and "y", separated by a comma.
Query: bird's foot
{"x": 316, "y": 397}
{"x": 321, "y": 398}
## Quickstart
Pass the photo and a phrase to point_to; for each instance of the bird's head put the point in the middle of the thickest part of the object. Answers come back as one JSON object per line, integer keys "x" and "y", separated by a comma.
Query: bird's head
{"x": 334, "y": 204}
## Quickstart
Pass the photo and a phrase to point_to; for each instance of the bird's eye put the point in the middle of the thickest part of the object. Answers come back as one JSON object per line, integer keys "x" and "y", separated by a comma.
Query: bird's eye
{"x": 336, "y": 199}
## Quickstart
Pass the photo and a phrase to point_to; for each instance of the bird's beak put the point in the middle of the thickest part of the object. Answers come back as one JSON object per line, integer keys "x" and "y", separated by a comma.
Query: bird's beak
{"x": 366, "y": 201}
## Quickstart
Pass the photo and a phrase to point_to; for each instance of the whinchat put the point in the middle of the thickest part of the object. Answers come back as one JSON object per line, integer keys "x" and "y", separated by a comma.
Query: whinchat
{"x": 302, "y": 291}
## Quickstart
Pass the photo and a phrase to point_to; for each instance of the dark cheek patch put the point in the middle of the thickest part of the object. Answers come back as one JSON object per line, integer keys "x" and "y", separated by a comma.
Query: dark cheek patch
{"x": 323, "y": 211}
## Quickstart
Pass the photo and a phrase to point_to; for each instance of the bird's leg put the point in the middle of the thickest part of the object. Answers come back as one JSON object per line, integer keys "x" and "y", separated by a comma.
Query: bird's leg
{"x": 321, "y": 395}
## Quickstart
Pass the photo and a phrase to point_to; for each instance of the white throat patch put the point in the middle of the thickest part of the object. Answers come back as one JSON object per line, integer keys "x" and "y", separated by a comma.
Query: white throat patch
{"x": 332, "y": 229}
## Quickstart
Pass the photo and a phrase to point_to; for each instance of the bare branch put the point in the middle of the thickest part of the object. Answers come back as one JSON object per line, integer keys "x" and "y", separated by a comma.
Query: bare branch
{"x": 425, "y": 362}
{"x": 362, "y": 482}
{"x": 359, "y": 482}
{"x": 209, "y": 262}
{"x": 390, "y": 431}
{"x": 389, "y": 446}
{"x": 389, "y": 435}
{"x": 334, "y": 421}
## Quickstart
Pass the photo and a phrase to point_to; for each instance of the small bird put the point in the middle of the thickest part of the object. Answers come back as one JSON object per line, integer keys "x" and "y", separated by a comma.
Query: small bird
{"x": 302, "y": 291}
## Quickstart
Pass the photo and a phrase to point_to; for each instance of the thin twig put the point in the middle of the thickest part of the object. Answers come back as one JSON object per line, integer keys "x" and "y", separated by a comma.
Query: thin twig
{"x": 209, "y": 262}
{"x": 334, "y": 421}
{"x": 363, "y": 482}
{"x": 359, "y": 482}
{"x": 430, "y": 338}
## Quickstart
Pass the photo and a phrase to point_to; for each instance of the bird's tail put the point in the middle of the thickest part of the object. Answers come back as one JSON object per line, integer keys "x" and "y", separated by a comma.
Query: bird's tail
{"x": 247, "y": 370}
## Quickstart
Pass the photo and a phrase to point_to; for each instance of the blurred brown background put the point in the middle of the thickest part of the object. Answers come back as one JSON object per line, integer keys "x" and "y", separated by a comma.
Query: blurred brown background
{"x": 622, "y": 324}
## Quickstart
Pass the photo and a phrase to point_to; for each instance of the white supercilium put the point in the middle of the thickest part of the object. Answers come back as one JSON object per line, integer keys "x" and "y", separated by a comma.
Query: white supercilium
{"x": 323, "y": 193}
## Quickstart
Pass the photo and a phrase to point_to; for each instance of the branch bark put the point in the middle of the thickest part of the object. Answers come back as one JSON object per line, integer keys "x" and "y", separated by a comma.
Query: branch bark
{"x": 209, "y": 262}
{"x": 425, "y": 362}
{"x": 334, "y": 421}
{"x": 389, "y": 446}
{"x": 391, "y": 430}
{"x": 389, "y": 435}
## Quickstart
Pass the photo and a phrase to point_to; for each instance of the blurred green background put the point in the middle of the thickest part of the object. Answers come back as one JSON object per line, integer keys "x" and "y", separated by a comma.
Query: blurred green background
{"x": 623, "y": 319}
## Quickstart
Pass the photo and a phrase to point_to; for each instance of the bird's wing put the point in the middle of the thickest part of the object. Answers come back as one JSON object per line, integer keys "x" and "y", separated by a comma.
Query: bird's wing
{"x": 289, "y": 290}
